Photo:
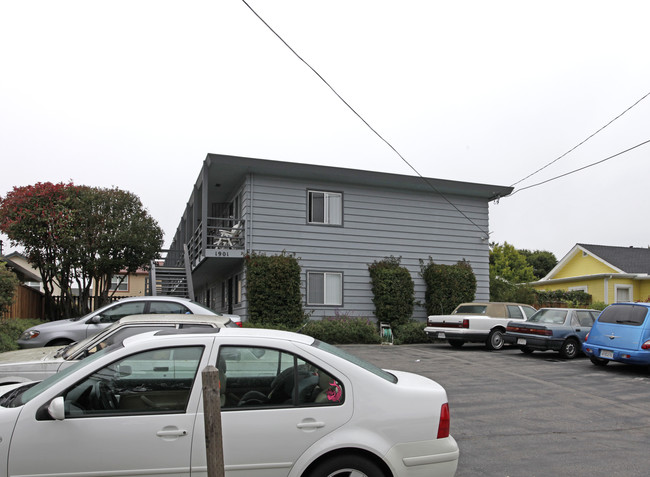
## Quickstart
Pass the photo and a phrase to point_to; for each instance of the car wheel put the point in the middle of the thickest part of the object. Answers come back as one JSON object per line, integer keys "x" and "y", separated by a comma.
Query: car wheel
{"x": 570, "y": 349}
{"x": 599, "y": 361}
{"x": 59, "y": 342}
{"x": 527, "y": 350}
{"x": 347, "y": 466}
{"x": 456, "y": 343}
{"x": 495, "y": 340}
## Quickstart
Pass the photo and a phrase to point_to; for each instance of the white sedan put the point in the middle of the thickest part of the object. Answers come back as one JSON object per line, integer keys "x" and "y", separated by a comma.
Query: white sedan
{"x": 292, "y": 406}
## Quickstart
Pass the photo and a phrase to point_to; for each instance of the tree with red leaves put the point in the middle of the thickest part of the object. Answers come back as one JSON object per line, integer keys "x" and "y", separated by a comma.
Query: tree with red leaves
{"x": 79, "y": 235}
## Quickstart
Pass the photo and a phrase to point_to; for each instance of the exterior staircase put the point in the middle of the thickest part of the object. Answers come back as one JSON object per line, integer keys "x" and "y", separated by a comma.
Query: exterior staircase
{"x": 171, "y": 276}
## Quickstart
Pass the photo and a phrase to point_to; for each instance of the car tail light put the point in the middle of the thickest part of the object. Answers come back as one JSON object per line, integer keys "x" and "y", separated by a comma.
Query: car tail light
{"x": 586, "y": 337}
{"x": 466, "y": 323}
{"x": 443, "y": 426}
{"x": 646, "y": 345}
{"x": 239, "y": 323}
{"x": 443, "y": 324}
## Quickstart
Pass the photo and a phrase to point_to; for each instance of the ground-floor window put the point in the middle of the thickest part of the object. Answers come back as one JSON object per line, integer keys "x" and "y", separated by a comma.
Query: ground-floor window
{"x": 325, "y": 288}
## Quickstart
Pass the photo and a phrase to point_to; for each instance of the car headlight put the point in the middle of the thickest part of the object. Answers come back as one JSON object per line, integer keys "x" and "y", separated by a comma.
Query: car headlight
{"x": 29, "y": 334}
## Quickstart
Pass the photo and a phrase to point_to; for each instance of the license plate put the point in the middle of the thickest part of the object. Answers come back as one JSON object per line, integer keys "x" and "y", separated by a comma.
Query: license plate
{"x": 521, "y": 341}
{"x": 606, "y": 354}
{"x": 441, "y": 336}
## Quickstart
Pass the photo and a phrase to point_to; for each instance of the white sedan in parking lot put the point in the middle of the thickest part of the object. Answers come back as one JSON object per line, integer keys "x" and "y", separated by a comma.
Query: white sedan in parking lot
{"x": 292, "y": 406}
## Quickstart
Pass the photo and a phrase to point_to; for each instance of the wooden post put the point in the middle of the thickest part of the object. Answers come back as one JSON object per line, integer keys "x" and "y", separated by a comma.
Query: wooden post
{"x": 212, "y": 419}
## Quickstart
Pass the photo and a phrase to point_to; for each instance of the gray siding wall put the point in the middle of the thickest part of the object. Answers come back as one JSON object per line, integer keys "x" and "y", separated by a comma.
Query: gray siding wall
{"x": 376, "y": 224}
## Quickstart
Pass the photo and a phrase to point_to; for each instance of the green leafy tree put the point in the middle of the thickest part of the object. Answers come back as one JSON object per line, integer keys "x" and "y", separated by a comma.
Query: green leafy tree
{"x": 393, "y": 291}
{"x": 447, "y": 286}
{"x": 542, "y": 261}
{"x": 273, "y": 290}
{"x": 508, "y": 264}
{"x": 8, "y": 283}
{"x": 115, "y": 235}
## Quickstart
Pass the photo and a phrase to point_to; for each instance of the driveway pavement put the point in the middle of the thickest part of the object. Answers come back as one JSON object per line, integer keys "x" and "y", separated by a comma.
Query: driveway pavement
{"x": 534, "y": 415}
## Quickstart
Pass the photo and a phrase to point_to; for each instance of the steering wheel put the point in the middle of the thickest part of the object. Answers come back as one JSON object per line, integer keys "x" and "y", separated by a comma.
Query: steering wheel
{"x": 104, "y": 397}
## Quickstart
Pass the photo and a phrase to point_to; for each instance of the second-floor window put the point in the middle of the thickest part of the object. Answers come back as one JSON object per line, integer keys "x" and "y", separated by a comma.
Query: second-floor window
{"x": 325, "y": 207}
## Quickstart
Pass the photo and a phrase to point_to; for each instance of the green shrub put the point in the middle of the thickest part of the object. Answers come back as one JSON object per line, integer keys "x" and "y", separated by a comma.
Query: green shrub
{"x": 273, "y": 288}
{"x": 575, "y": 298}
{"x": 10, "y": 331}
{"x": 599, "y": 305}
{"x": 393, "y": 291}
{"x": 447, "y": 286}
{"x": 410, "y": 333}
{"x": 8, "y": 284}
{"x": 343, "y": 330}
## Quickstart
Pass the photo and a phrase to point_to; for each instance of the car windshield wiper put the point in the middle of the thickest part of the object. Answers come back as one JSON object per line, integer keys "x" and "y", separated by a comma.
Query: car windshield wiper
{"x": 629, "y": 322}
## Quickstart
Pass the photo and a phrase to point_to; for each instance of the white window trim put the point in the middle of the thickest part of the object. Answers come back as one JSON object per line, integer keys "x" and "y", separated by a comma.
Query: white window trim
{"x": 324, "y": 287}
{"x": 125, "y": 283}
{"x": 326, "y": 204}
{"x": 629, "y": 288}
{"x": 583, "y": 288}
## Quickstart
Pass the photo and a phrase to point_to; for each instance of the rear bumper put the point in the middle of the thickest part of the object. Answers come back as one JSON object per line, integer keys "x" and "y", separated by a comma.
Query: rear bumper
{"x": 621, "y": 355}
{"x": 456, "y": 334}
{"x": 423, "y": 459}
{"x": 534, "y": 342}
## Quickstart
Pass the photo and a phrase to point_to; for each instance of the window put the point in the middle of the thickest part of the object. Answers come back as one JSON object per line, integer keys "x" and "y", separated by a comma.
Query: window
{"x": 168, "y": 307}
{"x": 586, "y": 317}
{"x": 121, "y": 310}
{"x": 514, "y": 311}
{"x": 252, "y": 377}
{"x": 238, "y": 289}
{"x": 325, "y": 208}
{"x": 633, "y": 315}
{"x": 154, "y": 381}
{"x": 324, "y": 288}
{"x": 622, "y": 293}
{"x": 120, "y": 283}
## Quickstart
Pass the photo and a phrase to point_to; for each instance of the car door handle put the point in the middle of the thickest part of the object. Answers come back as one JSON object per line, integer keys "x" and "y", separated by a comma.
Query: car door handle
{"x": 171, "y": 433}
{"x": 310, "y": 425}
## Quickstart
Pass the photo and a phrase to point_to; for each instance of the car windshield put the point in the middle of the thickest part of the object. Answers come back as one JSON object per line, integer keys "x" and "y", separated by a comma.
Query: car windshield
{"x": 74, "y": 348}
{"x": 353, "y": 359}
{"x": 549, "y": 316}
{"x": 30, "y": 393}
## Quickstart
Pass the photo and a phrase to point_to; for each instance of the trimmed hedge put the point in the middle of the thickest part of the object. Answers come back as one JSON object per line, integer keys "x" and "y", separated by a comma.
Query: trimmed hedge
{"x": 393, "y": 291}
{"x": 447, "y": 285}
{"x": 273, "y": 290}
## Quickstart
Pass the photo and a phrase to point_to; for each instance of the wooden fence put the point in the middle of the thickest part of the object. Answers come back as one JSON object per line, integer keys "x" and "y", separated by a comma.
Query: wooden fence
{"x": 28, "y": 303}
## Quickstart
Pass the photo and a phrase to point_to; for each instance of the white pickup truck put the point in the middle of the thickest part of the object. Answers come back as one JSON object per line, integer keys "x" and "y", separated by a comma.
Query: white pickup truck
{"x": 478, "y": 322}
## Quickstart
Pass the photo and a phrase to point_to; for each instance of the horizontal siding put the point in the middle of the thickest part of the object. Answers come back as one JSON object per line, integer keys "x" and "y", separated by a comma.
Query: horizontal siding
{"x": 376, "y": 224}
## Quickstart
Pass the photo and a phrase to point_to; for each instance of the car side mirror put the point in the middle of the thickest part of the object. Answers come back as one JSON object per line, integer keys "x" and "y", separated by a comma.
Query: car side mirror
{"x": 56, "y": 409}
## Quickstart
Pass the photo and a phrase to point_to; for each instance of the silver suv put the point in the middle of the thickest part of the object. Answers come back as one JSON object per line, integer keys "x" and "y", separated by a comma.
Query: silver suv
{"x": 63, "y": 332}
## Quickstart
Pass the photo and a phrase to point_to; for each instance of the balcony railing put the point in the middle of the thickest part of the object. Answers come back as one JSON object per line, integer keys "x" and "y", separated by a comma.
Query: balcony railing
{"x": 222, "y": 234}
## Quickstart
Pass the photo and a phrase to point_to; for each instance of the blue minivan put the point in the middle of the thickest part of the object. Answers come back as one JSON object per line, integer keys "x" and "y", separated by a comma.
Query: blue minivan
{"x": 621, "y": 333}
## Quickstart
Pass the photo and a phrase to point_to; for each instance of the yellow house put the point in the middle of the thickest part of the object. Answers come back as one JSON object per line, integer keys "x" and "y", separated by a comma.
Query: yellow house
{"x": 608, "y": 274}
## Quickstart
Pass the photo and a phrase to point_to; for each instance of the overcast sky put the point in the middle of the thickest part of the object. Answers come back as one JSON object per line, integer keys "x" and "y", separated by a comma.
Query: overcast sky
{"x": 135, "y": 94}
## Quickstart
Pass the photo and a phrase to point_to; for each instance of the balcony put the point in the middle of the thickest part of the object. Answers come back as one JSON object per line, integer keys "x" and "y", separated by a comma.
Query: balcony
{"x": 221, "y": 237}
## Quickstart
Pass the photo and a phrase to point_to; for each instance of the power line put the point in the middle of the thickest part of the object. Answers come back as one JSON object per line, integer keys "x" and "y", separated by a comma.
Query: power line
{"x": 582, "y": 168}
{"x": 581, "y": 143}
{"x": 366, "y": 122}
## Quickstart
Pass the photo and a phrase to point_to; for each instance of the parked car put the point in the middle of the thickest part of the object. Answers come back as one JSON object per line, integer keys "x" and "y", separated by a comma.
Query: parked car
{"x": 35, "y": 364}
{"x": 292, "y": 406}
{"x": 621, "y": 333}
{"x": 479, "y": 322}
{"x": 556, "y": 329}
{"x": 63, "y": 332}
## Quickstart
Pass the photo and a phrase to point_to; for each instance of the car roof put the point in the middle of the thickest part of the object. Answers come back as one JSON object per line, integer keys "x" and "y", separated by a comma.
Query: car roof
{"x": 174, "y": 318}
{"x": 232, "y": 332}
{"x": 153, "y": 298}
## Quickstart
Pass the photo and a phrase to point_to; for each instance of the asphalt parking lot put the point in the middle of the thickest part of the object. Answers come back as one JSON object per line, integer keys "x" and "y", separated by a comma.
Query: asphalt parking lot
{"x": 534, "y": 415}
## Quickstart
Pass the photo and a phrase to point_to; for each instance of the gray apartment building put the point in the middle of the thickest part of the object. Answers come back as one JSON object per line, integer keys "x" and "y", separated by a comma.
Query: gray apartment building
{"x": 335, "y": 220}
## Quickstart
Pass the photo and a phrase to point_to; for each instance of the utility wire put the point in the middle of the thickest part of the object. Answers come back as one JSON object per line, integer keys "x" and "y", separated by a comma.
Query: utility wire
{"x": 579, "y": 144}
{"x": 581, "y": 168}
{"x": 365, "y": 122}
